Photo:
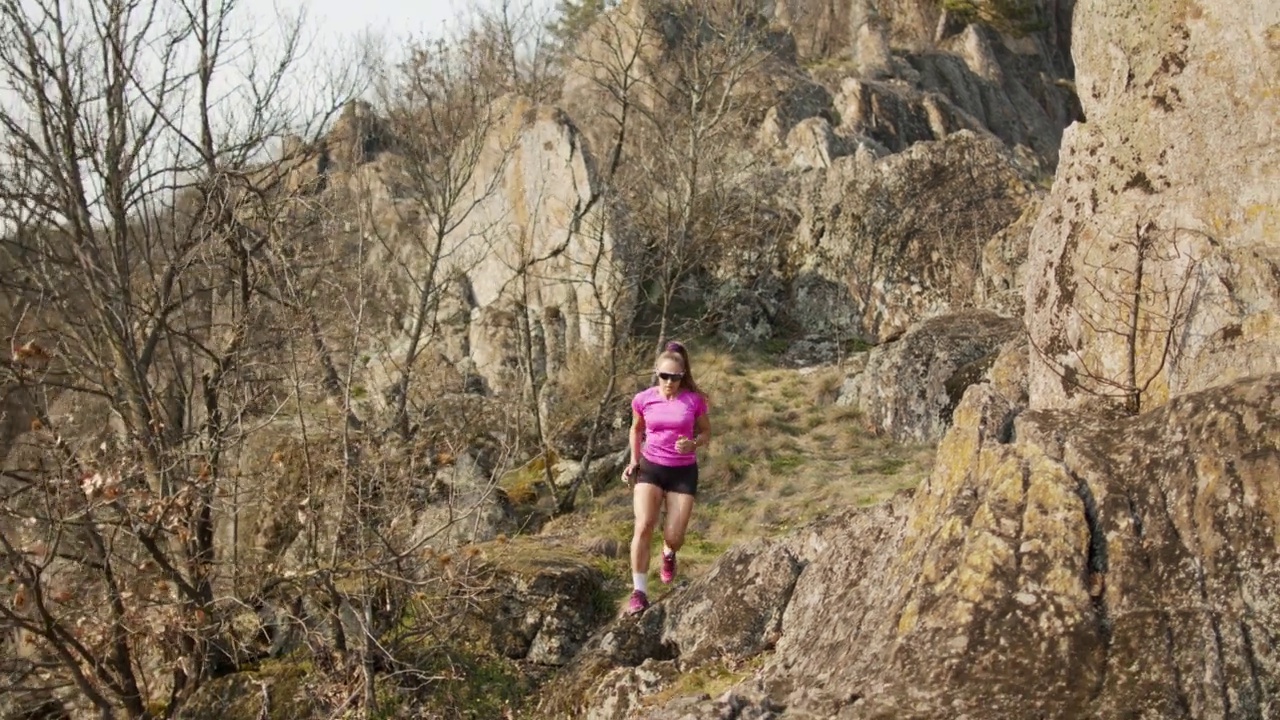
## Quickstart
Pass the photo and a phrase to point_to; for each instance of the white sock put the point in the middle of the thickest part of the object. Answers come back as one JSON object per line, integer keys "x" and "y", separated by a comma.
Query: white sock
{"x": 641, "y": 581}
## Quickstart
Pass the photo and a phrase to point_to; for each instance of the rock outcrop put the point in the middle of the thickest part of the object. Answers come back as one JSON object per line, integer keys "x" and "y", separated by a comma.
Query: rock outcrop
{"x": 910, "y": 387}
{"x": 884, "y": 243}
{"x": 497, "y": 604}
{"x": 943, "y": 94}
{"x": 542, "y": 603}
{"x": 1161, "y": 238}
{"x": 1075, "y": 567}
{"x": 732, "y": 613}
{"x": 1009, "y": 83}
{"x": 534, "y": 245}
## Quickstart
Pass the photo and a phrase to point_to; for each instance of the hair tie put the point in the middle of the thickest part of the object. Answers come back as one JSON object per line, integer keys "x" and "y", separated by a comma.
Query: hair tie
{"x": 674, "y": 346}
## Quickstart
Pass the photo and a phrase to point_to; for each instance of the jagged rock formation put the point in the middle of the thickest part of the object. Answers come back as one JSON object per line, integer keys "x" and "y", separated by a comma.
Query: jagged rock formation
{"x": 542, "y": 606}
{"x": 1160, "y": 236}
{"x": 1055, "y": 564}
{"x": 1008, "y": 84}
{"x": 883, "y": 243}
{"x": 933, "y": 89}
{"x": 534, "y": 245}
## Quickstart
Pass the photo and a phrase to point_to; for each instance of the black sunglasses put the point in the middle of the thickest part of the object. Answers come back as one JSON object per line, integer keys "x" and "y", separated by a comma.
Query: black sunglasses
{"x": 671, "y": 376}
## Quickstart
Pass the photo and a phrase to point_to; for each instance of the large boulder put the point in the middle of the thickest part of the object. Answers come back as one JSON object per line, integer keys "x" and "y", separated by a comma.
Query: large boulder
{"x": 1074, "y": 567}
{"x": 1155, "y": 263}
{"x": 909, "y": 387}
{"x": 732, "y": 613}
{"x": 1075, "y": 570}
{"x": 736, "y": 608}
{"x": 542, "y": 603}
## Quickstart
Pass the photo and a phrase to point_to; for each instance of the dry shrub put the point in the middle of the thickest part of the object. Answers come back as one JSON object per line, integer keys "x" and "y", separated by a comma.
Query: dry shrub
{"x": 826, "y": 386}
{"x": 756, "y": 418}
{"x": 574, "y": 399}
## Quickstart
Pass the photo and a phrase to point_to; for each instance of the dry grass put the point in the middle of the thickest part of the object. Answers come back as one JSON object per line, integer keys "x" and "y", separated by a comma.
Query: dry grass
{"x": 782, "y": 455}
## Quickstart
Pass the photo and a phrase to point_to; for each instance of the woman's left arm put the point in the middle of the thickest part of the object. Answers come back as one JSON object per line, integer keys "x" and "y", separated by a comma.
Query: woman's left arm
{"x": 701, "y": 431}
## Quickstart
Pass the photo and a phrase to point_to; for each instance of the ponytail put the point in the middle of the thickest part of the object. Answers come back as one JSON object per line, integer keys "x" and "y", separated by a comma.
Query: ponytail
{"x": 675, "y": 351}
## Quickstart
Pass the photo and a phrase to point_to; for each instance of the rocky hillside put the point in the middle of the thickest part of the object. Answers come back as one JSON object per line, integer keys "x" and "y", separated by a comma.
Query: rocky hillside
{"x": 1090, "y": 543}
{"x": 892, "y": 153}
{"x": 1055, "y": 565}
{"x": 1073, "y": 295}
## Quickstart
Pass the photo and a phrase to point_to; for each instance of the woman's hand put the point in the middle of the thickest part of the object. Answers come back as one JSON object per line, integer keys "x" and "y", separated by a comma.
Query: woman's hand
{"x": 685, "y": 444}
{"x": 629, "y": 473}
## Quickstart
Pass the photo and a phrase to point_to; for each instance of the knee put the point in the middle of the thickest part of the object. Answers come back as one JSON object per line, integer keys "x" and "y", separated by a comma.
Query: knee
{"x": 644, "y": 529}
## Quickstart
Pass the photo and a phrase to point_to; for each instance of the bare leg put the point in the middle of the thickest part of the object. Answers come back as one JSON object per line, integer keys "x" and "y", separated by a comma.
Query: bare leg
{"x": 679, "y": 510}
{"x": 647, "y": 501}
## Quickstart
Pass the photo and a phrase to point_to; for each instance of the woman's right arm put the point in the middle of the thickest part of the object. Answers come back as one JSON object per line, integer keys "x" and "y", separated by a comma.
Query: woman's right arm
{"x": 635, "y": 438}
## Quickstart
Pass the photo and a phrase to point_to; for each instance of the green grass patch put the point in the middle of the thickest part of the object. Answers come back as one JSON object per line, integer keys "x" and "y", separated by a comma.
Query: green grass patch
{"x": 891, "y": 466}
{"x": 448, "y": 683}
{"x": 525, "y": 486}
{"x": 785, "y": 464}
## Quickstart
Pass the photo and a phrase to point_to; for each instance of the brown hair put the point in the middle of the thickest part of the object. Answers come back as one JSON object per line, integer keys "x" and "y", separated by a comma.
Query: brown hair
{"x": 675, "y": 351}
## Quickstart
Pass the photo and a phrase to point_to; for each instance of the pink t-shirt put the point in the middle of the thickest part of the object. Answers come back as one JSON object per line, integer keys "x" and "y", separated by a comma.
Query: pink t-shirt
{"x": 665, "y": 421}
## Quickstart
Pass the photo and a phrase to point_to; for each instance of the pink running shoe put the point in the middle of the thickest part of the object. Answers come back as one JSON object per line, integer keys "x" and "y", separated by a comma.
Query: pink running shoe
{"x": 668, "y": 572}
{"x": 639, "y": 603}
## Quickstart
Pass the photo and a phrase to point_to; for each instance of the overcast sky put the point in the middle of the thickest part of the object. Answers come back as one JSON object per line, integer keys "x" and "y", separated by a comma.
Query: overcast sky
{"x": 395, "y": 19}
{"x": 338, "y": 18}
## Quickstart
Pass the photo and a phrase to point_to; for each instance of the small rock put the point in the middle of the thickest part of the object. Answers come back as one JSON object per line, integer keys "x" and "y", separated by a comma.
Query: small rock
{"x": 602, "y": 547}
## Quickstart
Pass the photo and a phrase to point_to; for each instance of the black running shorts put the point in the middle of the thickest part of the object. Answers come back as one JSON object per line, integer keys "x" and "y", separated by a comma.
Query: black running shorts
{"x": 681, "y": 479}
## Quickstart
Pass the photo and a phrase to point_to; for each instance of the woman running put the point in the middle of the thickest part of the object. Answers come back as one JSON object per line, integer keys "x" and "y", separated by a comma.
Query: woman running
{"x": 669, "y": 424}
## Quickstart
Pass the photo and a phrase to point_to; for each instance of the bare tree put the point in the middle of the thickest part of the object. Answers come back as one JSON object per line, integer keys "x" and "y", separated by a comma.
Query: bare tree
{"x": 567, "y": 387}
{"x": 683, "y": 72}
{"x": 444, "y": 113}
{"x": 516, "y": 43}
{"x": 137, "y": 220}
{"x": 426, "y": 211}
{"x": 1134, "y": 295}
{"x": 569, "y": 390}
{"x": 661, "y": 143}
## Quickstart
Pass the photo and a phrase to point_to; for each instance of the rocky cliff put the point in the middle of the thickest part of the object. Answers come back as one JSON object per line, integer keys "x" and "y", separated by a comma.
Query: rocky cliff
{"x": 532, "y": 241}
{"x": 1008, "y": 82}
{"x": 1154, "y": 266}
{"x": 884, "y": 243}
{"x": 890, "y": 174}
